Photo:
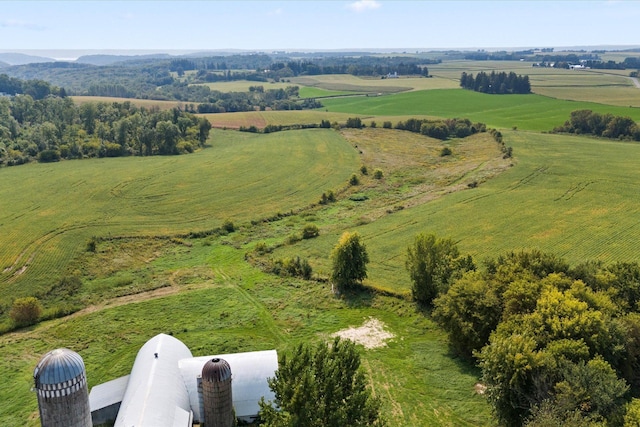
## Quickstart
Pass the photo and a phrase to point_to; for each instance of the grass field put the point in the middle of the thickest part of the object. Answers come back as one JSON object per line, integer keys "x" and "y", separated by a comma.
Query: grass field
{"x": 146, "y": 103}
{"x": 237, "y": 308}
{"x": 243, "y": 85}
{"x": 44, "y": 230}
{"x": 529, "y": 112}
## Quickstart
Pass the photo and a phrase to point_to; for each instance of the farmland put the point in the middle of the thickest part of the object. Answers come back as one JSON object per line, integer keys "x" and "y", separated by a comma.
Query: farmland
{"x": 164, "y": 262}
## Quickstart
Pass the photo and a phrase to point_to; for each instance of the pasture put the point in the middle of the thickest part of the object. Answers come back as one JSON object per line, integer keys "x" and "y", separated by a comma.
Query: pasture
{"x": 260, "y": 119}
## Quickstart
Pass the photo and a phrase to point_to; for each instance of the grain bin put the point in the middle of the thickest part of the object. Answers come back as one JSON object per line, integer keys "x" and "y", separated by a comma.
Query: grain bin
{"x": 216, "y": 390}
{"x": 61, "y": 384}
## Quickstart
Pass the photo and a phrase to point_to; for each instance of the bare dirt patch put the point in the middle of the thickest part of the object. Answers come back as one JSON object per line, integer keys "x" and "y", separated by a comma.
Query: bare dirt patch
{"x": 372, "y": 334}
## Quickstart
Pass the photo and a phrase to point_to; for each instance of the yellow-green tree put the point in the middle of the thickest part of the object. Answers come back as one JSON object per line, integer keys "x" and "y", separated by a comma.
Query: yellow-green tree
{"x": 349, "y": 258}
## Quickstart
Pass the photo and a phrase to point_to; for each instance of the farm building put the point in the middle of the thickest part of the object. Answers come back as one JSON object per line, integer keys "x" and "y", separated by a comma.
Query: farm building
{"x": 167, "y": 386}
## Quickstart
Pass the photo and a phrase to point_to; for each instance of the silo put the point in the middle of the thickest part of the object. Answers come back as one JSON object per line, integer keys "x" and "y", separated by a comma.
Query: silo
{"x": 61, "y": 384}
{"x": 216, "y": 390}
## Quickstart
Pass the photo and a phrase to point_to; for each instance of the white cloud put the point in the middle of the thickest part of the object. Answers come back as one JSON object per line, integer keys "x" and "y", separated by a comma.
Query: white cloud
{"x": 363, "y": 5}
{"x": 15, "y": 23}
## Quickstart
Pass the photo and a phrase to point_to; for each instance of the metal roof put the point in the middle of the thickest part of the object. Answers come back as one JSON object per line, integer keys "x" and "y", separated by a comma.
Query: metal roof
{"x": 216, "y": 370}
{"x": 156, "y": 395}
{"x": 58, "y": 366}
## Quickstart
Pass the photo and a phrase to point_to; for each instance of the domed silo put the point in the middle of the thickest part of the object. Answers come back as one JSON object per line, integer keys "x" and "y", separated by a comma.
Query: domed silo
{"x": 61, "y": 384}
{"x": 216, "y": 390}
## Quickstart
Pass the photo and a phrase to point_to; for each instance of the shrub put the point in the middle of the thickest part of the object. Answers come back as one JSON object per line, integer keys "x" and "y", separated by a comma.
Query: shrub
{"x": 446, "y": 151}
{"x": 364, "y": 170}
{"x": 25, "y": 311}
{"x": 48, "y": 156}
{"x": 310, "y": 231}
{"x": 228, "y": 226}
{"x": 387, "y": 125}
{"x": 354, "y": 180}
{"x": 377, "y": 174}
{"x": 92, "y": 244}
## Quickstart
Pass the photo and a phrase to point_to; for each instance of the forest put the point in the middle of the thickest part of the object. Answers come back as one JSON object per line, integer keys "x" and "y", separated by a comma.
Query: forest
{"x": 496, "y": 83}
{"x": 55, "y": 128}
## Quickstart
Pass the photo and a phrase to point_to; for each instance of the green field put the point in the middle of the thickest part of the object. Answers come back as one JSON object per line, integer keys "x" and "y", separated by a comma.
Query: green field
{"x": 528, "y": 112}
{"x": 43, "y": 230}
{"x": 574, "y": 196}
{"x": 146, "y": 103}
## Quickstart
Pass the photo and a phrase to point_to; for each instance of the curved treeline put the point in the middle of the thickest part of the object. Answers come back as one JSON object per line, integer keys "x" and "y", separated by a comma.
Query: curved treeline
{"x": 496, "y": 83}
{"x": 55, "y": 128}
{"x": 604, "y": 125}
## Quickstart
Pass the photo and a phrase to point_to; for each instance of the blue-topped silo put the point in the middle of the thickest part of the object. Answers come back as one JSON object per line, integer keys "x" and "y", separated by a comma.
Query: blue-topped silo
{"x": 61, "y": 383}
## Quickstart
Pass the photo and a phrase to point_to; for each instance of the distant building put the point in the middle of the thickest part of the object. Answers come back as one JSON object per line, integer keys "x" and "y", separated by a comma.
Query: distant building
{"x": 393, "y": 75}
{"x": 165, "y": 387}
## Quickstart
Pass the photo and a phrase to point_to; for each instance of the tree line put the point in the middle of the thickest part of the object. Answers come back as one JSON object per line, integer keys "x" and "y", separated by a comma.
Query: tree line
{"x": 37, "y": 89}
{"x": 496, "y": 83}
{"x": 605, "y": 125}
{"x": 55, "y": 128}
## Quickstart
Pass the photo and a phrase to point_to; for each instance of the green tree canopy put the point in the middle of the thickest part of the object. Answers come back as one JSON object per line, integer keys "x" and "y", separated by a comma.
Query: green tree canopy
{"x": 321, "y": 387}
{"x": 349, "y": 258}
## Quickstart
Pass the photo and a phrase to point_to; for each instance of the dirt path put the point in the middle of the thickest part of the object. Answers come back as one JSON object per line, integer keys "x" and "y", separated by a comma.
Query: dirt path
{"x": 635, "y": 81}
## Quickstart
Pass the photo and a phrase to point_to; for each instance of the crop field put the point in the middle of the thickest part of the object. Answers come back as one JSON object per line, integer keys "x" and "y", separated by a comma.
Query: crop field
{"x": 530, "y": 112}
{"x": 260, "y": 119}
{"x": 349, "y": 83}
{"x": 243, "y": 85}
{"x": 146, "y": 103}
{"x": 612, "y": 87}
{"x": 42, "y": 231}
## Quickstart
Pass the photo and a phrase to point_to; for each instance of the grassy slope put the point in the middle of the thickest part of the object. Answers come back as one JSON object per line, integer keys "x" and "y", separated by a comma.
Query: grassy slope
{"x": 530, "y": 112}
{"x": 42, "y": 231}
{"x": 571, "y": 196}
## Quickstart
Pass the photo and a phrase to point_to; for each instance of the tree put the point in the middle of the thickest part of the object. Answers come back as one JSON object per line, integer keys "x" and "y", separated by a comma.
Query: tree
{"x": 350, "y": 260}
{"x": 25, "y": 311}
{"x": 321, "y": 387}
{"x": 432, "y": 264}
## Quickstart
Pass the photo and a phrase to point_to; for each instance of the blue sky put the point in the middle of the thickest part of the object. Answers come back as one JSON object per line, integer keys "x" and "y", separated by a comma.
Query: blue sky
{"x": 312, "y": 25}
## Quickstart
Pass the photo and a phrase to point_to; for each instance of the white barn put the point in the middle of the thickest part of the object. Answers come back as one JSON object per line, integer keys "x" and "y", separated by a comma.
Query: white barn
{"x": 164, "y": 387}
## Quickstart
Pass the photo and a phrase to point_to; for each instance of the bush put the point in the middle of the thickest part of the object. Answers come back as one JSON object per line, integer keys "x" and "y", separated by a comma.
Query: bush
{"x": 48, "y": 156}
{"x": 354, "y": 180}
{"x": 310, "y": 231}
{"x": 446, "y": 151}
{"x": 25, "y": 311}
{"x": 377, "y": 174}
{"x": 387, "y": 125}
{"x": 228, "y": 226}
{"x": 364, "y": 170}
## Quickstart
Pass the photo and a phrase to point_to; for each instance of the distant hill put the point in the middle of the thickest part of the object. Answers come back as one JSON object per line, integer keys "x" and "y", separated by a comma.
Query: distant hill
{"x": 22, "y": 59}
{"x": 3, "y": 64}
{"x": 113, "y": 59}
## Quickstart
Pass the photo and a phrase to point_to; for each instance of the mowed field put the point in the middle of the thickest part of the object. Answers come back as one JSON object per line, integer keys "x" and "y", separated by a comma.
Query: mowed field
{"x": 55, "y": 208}
{"x": 528, "y": 112}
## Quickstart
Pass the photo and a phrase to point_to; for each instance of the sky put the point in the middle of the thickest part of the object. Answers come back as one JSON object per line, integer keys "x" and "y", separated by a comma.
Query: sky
{"x": 315, "y": 25}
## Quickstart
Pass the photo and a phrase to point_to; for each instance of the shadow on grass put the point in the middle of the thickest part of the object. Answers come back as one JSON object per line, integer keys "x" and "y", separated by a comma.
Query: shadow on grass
{"x": 358, "y": 298}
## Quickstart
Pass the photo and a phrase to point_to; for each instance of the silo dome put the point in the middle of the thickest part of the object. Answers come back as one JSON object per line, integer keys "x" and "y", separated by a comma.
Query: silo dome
{"x": 217, "y": 396}
{"x": 61, "y": 384}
